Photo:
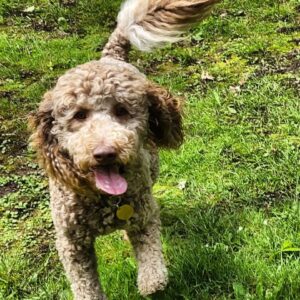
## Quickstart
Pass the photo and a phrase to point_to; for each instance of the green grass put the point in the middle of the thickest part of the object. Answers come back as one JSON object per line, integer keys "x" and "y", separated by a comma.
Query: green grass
{"x": 229, "y": 196}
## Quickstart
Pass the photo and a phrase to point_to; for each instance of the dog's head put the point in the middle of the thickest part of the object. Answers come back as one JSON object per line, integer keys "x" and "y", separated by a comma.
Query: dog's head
{"x": 91, "y": 126}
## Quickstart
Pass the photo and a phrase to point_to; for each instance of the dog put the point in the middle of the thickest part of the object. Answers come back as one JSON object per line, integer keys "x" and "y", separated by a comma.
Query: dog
{"x": 97, "y": 135}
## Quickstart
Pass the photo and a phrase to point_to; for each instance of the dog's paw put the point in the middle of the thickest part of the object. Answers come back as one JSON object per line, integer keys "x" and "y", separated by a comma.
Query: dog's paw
{"x": 152, "y": 279}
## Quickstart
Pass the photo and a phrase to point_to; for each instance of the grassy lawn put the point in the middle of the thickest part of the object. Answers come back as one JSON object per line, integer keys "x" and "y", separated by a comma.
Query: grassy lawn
{"x": 229, "y": 196}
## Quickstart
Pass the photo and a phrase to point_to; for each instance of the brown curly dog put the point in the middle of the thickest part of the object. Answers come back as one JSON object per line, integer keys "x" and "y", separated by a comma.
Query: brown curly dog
{"x": 97, "y": 133}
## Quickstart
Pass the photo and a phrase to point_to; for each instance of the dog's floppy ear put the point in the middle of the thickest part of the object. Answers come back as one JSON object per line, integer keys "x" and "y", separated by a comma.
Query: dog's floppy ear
{"x": 165, "y": 119}
{"x": 41, "y": 123}
{"x": 56, "y": 162}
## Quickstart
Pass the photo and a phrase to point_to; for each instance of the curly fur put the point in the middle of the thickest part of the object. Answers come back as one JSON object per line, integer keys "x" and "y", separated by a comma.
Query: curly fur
{"x": 109, "y": 104}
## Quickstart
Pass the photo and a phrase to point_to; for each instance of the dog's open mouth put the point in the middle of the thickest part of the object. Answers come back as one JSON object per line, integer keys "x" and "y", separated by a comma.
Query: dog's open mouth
{"x": 109, "y": 179}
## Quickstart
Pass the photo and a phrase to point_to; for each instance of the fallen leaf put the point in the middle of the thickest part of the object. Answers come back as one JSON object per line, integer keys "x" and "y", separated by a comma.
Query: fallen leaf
{"x": 235, "y": 89}
{"x": 207, "y": 76}
{"x": 232, "y": 110}
{"x": 29, "y": 9}
{"x": 181, "y": 185}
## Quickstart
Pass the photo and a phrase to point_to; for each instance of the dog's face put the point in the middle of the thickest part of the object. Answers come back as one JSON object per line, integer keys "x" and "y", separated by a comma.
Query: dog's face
{"x": 96, "y": 119}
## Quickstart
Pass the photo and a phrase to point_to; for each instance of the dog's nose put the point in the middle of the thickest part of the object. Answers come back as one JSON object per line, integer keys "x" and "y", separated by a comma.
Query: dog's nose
{"x": 105, "y": 154}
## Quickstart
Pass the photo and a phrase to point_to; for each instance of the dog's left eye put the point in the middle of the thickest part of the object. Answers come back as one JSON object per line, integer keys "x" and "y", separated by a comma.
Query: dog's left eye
{"x": 121, "y": 112}
{"x": 81, "y": 115}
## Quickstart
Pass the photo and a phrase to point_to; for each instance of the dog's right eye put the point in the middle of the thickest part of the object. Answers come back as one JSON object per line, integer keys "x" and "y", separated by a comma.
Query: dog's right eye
{"x": 81, "y": 115}
{"x": 121, "y": 112}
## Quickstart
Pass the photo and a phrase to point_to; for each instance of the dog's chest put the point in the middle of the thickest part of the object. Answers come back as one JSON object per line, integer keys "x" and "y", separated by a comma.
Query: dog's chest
{"x": 119, "y": 213}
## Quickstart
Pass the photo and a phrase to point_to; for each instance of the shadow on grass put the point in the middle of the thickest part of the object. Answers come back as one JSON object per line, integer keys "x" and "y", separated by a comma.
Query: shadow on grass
{"x": 223, "y": 252}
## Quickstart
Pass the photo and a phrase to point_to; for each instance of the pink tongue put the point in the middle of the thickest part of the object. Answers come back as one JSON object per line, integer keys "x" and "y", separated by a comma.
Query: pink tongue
{"x": 110, "y": 181}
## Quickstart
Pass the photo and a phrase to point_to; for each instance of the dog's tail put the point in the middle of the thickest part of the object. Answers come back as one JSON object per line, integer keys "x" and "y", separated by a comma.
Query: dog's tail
{"x": 148, "y": 24}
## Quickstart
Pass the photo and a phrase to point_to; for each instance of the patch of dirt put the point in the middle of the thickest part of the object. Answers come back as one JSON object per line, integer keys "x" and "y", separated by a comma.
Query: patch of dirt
{"x": 199, "y": 85}
{"x": 148, "y": 66}
{"x": 293, "y": 83}
{"x": 19, "y": 165}
{"x": 184, "y": 62}
{"x": 8, "y": 188}
{"x": 288, "y": 30}
{"x": 29, "y": 76}
{"x": 40, "y": 24}
{"x": 7, "y": 94}
{"x": 287, "y": 63}
{"x": 67, "y": 2}
{"x": 43, "y": 25}
{"x": 272, "y": 198}
{"x": 13, "y": 11}
{"x": 296, "y": 41}
{"x": 13, "y": 145}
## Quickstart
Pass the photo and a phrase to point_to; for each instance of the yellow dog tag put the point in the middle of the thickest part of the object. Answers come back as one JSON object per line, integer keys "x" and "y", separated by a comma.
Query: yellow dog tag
{"x": 125, "y": 212}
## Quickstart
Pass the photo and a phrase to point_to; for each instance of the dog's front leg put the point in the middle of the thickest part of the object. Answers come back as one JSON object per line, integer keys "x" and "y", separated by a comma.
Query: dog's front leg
{"x": 152, "y": 272}
{"x": 80, "y": 264}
